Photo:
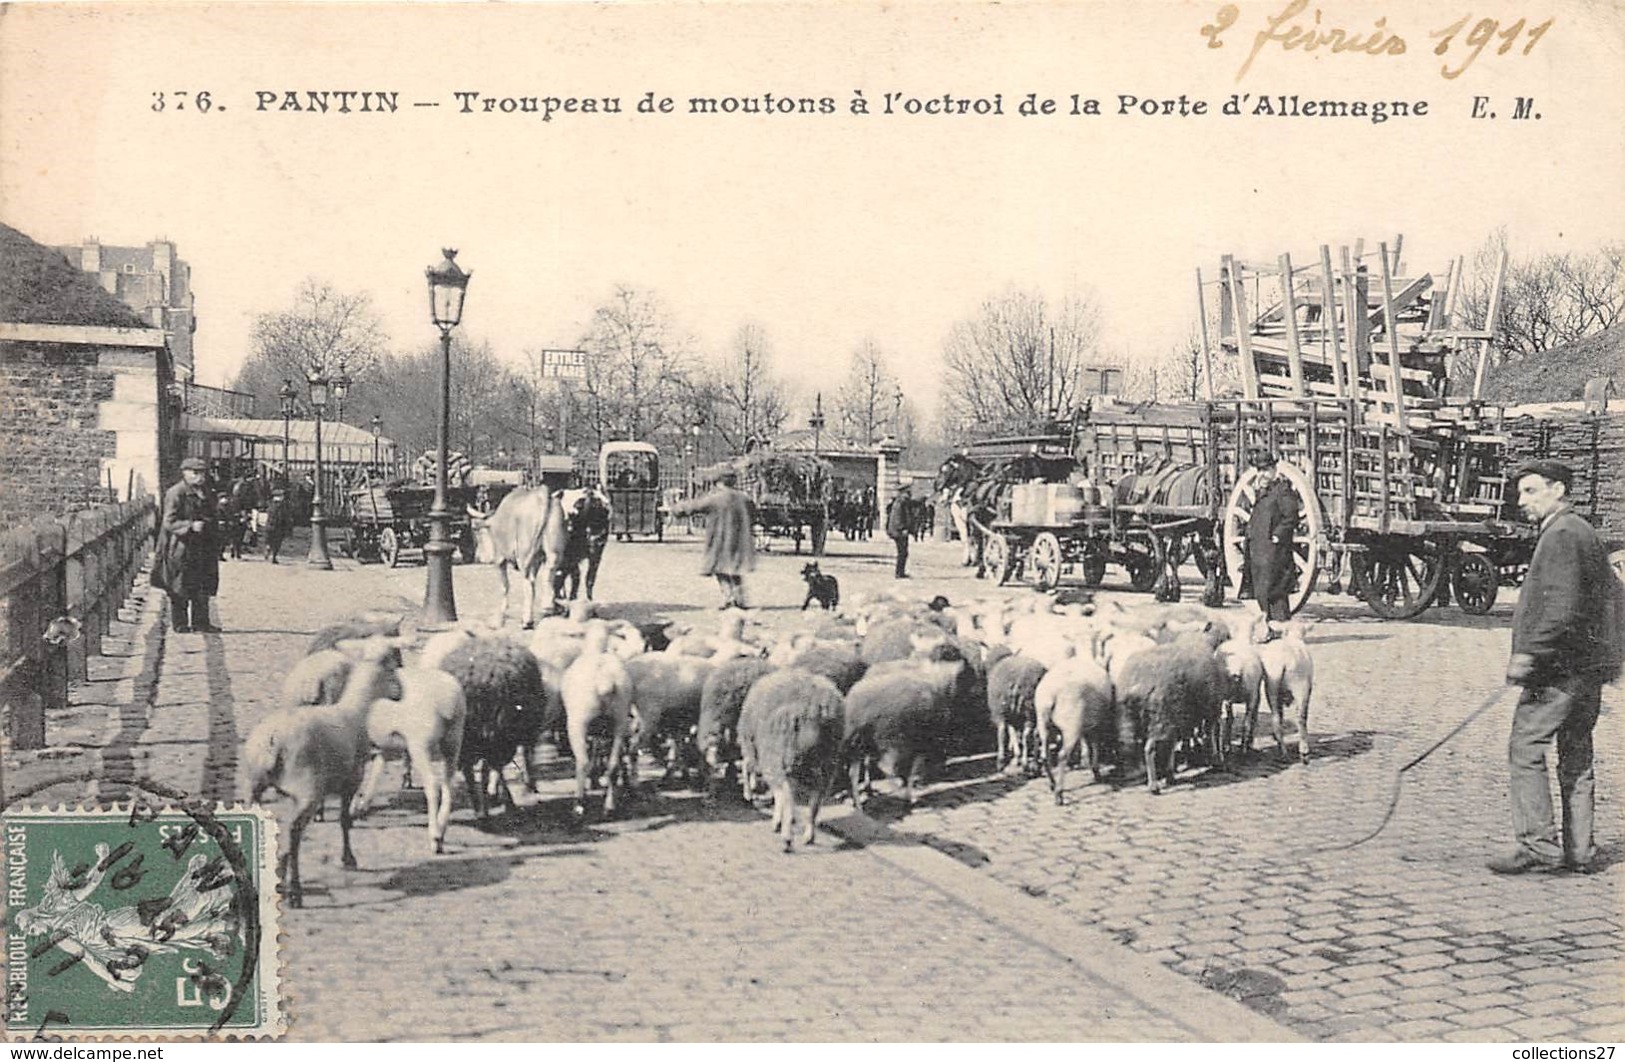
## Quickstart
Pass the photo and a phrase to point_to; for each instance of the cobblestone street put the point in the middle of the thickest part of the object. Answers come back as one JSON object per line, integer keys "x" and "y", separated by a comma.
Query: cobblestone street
{"x": 1219, "y": 910}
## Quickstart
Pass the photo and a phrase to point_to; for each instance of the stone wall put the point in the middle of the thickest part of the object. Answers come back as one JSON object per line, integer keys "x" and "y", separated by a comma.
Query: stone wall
{"x": 81, "y": 424}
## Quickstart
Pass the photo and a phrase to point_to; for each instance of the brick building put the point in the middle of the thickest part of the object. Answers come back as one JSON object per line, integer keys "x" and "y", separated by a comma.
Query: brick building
{"x": 86, "y": 414}
{"x": 154, "y": 282}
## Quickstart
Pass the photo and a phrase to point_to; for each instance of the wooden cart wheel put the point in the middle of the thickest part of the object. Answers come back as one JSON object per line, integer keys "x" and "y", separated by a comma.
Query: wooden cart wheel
{"x": 389, "y": 547}
{"x": 997, "y": 555}
{"x": 1306, "y": 537}
{"x": 1139, "y": 559}
{"x": 1476, "y": 582}
{"x": 1401, "y": 575}
{"x": 1045, "y": 559}
{"x": 1092, "y": 568}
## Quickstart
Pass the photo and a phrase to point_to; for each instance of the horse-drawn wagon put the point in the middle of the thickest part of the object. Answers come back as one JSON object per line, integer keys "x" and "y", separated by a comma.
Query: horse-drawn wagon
{"x": 390, "y": 522}
{"x": 1402, "y": 489}
{"x": 790, "y": 494}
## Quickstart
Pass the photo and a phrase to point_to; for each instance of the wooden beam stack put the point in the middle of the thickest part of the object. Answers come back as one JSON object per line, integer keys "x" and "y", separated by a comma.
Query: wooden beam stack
{"x": 1592, "y": 445}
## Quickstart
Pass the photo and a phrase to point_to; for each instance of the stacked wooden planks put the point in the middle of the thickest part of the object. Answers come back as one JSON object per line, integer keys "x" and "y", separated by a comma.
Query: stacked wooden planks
{"x": 1594, "y": 446}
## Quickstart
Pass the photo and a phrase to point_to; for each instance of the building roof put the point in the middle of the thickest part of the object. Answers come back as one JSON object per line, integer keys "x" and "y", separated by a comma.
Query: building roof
{"x": 801, "y": 440}
{"x": 334, "y": 433}
{"x": 1559, "y": 374}
{"x": 39, "y": 286}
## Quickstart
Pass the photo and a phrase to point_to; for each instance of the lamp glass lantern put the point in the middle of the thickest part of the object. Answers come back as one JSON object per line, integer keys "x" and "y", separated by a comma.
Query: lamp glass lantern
{"x": 448, "y": 284}
{"x": 286, "y": 395}
{"x": 318, "y": 391}
{"x": 341, "y": 386}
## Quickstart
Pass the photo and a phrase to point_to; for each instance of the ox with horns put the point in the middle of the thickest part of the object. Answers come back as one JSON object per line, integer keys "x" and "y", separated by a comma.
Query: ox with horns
{"x": 528, "y": 534}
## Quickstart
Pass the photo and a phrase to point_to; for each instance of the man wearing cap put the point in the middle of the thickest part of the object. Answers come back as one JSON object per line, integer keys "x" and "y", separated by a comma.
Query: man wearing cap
{"x": 1561, "y": 634}
{"x": 189, "y": 549}
{"x": 898, "y": 530}
{"x": 1270, "y": 528}
{"x": 730, "y": 547}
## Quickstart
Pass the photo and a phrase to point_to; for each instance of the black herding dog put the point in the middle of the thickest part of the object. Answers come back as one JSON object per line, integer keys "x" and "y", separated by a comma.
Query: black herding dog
{"x": 820, "y": 587}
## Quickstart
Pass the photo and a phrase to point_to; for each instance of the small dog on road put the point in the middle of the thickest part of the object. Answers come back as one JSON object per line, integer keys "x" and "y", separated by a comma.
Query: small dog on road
{"x": 820, "y": 587}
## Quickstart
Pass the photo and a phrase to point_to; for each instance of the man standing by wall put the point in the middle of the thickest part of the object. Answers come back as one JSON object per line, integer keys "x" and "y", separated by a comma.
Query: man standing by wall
{"x": 1565, "y": 645}
{"x": 189, "y": 549}
{"x": 898, "y": 530}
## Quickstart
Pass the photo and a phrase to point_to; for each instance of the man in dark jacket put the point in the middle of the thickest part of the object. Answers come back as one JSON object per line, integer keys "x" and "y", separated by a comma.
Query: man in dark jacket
{"x": 189, "y": 549}
{"x": 1270, "y": 528}
{"x": 1564, "y": 648}
{"x": 897, "y": 529}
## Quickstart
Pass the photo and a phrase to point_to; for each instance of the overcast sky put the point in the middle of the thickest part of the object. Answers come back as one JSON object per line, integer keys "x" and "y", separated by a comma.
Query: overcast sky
{"x": 824, "y": 228}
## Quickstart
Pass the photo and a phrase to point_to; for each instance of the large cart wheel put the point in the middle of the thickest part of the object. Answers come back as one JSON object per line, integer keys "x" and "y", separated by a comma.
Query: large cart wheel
{"x": 1306, "y": 537}
{"x": 1045, "y": 561}
{"x": 1139, "y": 558}
{"x": 389, "y": 546}
{"x": 997, "y": 555}
{"x": 1401, "y": 575}
{"x": 1476, "y": 581}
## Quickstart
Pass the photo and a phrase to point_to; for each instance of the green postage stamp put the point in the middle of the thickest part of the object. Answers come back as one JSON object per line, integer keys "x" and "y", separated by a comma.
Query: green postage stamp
{"x": 141, "y": 920}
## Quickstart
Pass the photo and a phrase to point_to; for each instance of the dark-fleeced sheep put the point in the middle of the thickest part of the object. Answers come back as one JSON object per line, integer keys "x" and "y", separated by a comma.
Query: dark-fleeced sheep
{"x": 790, "y": 734}
{"x": 1168, "y": 692}
{"x": 898, "y": 718}
{"x": 721, "y": 701}
{"x": 1011, "y": 684}
{"x": 507, "y": 711}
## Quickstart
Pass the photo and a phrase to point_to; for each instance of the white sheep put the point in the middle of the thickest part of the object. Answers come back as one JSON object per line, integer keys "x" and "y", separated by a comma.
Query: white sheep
{"x": 427, "y": 719}
{"x": 597, "y": 695}
{"x": 311, "y": 752}
{"x": 1289, "y": 679}
{"x": 666, "y": 695}
{"x": 1076, "y": 699}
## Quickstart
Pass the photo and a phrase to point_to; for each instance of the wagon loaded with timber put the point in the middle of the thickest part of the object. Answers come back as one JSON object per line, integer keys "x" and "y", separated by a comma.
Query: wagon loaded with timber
{"x": 1345, "y": 376}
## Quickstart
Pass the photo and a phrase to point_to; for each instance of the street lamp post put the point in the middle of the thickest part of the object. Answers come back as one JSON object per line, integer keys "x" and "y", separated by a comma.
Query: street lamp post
{"x": 286, "y": 397}
{"x": 448, "y": 285}
{"x": 341, "y": 391}
{"x": 377, "y": 429}
{"x": 816, "y": 423}
{"x": 318, "y": 557}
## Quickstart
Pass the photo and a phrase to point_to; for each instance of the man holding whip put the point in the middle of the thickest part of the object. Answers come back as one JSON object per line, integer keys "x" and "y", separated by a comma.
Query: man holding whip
{"x": 1565, "y": 645}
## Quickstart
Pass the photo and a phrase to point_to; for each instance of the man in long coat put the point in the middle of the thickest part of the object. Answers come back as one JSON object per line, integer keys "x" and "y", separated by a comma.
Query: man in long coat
{"x": 189, "y": 549}
{"x": 730, "y": 547}
{"x": 1565, "y": 645}
{"x": 1270, "y": 528}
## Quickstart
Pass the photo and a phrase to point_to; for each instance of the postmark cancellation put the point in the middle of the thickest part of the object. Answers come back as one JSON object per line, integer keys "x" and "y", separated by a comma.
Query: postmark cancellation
{"x": 141, "y": 920}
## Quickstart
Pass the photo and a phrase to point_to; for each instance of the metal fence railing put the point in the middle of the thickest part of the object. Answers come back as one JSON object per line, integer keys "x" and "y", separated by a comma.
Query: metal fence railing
{"x": 80, "y": 567}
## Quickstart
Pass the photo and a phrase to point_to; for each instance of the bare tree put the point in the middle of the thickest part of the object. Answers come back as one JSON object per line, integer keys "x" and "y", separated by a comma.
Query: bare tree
{"x": 1017, "y": 360}
{"x": 1547, "y": 301}
{"x": 749, "y": 401}
{"x": 869, "y": 400}
{"x": 324, "y": 331}
{"x": 1179, "y": 375}
{"x": 636, "y": 374}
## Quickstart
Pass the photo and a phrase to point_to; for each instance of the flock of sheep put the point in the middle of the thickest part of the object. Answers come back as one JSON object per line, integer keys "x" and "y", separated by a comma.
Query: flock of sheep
{"x": 891, "y": 686}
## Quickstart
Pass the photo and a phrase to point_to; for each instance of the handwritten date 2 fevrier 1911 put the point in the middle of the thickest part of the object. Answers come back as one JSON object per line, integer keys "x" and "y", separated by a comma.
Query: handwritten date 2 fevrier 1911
{"x": 1294, "y": 28}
